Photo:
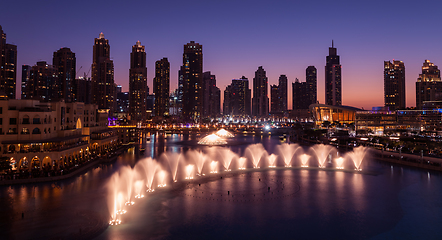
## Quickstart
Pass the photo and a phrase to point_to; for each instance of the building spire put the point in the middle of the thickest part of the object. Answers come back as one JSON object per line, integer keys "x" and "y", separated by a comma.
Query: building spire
{"x": 332, "y": 43}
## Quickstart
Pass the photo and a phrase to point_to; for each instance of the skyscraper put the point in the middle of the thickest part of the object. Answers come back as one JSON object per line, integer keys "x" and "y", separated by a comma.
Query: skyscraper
{"x": 260, "y": 101}
{"x": 137, "y": 83}
{"x": 275, "y": 101}
{"x": 103, "y": 86}
{"x": 25, "y": 76}
{"x": 211, "y": 96}
{"x": 8, "y": 67}
{"x": 282, "y": 91}
{"x": 161, "y": 87}
{"x": 237, "y": 98}
{"x": 428, "y": 85}
{"x": 394, "y": 85}
{"x": 192, "y": 72}
{"x": 333, "y": 88}
{"x": 65, "y": 62}
{"x": 300, "y": 97}
{"x": 311, "y": 80}
{"x": 43, "y": 82}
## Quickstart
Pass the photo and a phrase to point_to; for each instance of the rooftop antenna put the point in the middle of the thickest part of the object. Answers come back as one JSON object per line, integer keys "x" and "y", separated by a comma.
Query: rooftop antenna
{"x": 332, "y": 43}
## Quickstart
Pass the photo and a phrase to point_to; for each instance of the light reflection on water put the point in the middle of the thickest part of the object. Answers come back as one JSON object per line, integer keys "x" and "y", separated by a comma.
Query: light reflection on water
{"x": 342, "y": 205}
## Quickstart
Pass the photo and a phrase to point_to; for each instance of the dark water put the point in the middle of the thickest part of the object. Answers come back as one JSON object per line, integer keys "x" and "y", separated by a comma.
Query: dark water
{"x": 392, "y": 203}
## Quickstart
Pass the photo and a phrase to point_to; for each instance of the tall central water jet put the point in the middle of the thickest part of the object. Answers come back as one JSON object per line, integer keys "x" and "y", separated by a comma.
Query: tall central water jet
{"x": 256, "y": 151}
{"x": 339, "y": 163}
{"x": 272, "y": 160}
{"x": 150, "y": 167}
{"x": 173, "y": 159}
{"x": 189, "y": 171}
{"x": 304, "y": 160}
{"x": 213, "y": 167}
{"x": 357, "y": 155}
{"x": 322, "y": 152}
{"x": 226, "y": 155}
{"x": 242, "y": 163}
{"x": 287, "y": 151}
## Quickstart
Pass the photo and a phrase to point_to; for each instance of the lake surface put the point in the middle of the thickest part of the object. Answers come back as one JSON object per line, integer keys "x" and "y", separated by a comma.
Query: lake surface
{"x": 391, "y": 202}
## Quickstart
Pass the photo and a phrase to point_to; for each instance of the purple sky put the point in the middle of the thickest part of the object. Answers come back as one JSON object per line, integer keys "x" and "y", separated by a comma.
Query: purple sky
{"x": 238, "y": 36}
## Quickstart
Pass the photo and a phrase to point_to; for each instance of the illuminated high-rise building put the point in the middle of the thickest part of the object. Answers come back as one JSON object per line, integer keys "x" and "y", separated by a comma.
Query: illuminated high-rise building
{"x": 65, "y": 62}
{"x": 103, "y": 86}
{"x": 394, "y": 85}
{"x": 311, "y": 81}
{"x": 428, "y": 85}
{"x": 275, "y": 101}
{"x": 333, "y": 89}
{"x": 25, "y": 76}
{"x": 161, "y": 86}
{"x": 282, "y": 93}
{"x": 43, "y": 83}
{"x": 8, "y": 67}
{"x": 260, "y": 101}
{"x": 237, "y": 98}
{"x": 192, "y": 79}
{"x": 137, "y": 83}
{"x": 211, "y": 96}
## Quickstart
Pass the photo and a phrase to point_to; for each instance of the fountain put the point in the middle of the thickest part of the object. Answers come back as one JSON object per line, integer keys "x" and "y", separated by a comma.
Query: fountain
{"x": 161, "y": 179}
{"x": 189, "y": 171}
{"x": 213, "y": 167}
{"x": 256, "y": 151}
{"x": 227, "y": 156}
{"x": 322, "y": 152}
{"x": 224, "y": 133}
{"x": 149, "y": 167}
{"x": 304, "y": 160}
{"x": 272, "y": 160}
{"x": 357, "y": 155}
{"x": 212, "y": 140}
{"x": 128, "y": 183}
{"x": 199, "y": 158}
{"x": 173, "y": 159}
{"x": 339, "y": 163}
{"x": 287, "y": 151}
{"x": 242, "y": 163}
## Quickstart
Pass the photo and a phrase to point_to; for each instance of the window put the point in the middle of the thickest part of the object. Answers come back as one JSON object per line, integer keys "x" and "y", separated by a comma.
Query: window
{"x": 36, "y": 120}
{"x": 36, "y": 131}
{"x": 1, "y": 121}
{"x": 25, "y": 131}
{"x": 13, "y": 121}
{"x": 1, "y": 110}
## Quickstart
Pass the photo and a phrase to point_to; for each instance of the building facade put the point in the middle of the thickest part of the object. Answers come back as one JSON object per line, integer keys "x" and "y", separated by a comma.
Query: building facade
{"x": 25, "y": 76}
{"x": 64, "y": 62}
{"x": 237, "y": 97}
{"x": 137, "y": 83}
{"x": 394, "y": 85}
{"x": 43, "y": 83}
{"x": 161, "y": 87}
{"x": 260, "y": 100}
{"x": 8, "y": 67}
{"x": 333, "y": 86}
{"x": 282, "y": 93}
{"x": 192, "y": 80}
{"x": 312, "y": 86}
{"x": 428, "y": 85}
{"x": 52, "y": 135}
{"x": 103, "y": 86}
{"x": 211, "y": 96}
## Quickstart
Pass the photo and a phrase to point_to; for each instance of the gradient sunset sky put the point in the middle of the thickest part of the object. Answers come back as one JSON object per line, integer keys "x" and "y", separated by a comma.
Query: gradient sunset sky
{"x": 284, "y": 37}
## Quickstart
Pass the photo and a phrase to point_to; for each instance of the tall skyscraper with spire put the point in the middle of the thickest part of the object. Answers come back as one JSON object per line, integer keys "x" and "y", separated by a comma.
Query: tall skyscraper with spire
{"x": 64, "y": 62}
{"x": 192, "y": 80}
{"x": 333, "y": 89}
{"x": 394, "y": 85}
{"x": 260, "y": 101}
{"x": 103, "y": 86}
{"x": 428, "y": 85}
{"x": 161, "y": 86}
{"x": 8, "y": 67}
{"x": 137, "y": 83}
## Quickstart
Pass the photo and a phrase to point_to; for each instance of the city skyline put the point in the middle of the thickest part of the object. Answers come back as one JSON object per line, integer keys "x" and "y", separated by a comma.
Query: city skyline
{"x": 232, "y": 46}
